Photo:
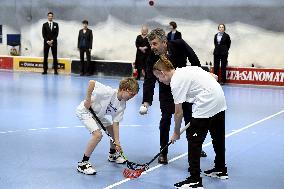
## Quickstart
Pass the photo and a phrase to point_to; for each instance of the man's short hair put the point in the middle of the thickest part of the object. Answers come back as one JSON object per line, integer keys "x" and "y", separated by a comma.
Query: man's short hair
{"x": 157, "y": 33}
{"x": 174, "y": 24}
{"x": 50, "y": 13}
{"x": 85, "y": 22}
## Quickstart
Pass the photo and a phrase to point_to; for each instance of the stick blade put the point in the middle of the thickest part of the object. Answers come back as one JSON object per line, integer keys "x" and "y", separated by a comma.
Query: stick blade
{"x": 132, "y": 174}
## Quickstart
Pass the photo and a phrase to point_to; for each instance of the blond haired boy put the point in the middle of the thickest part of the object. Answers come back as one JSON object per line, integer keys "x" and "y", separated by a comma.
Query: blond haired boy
{"x": 194, "y": 85}
{"x": 104, "y": 100}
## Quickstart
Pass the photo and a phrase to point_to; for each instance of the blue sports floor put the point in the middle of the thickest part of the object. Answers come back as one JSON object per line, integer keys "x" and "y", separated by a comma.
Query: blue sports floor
{"x": 41, "y": 140}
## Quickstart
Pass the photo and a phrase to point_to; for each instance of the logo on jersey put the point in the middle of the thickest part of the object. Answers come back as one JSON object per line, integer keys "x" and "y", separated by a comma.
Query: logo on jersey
{"x": 110, "y": 108}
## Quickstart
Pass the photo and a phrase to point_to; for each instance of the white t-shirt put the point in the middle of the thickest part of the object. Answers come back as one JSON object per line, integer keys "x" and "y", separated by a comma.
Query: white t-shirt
{"x": 105, "y": 102}
{"x": 193, "y": 84}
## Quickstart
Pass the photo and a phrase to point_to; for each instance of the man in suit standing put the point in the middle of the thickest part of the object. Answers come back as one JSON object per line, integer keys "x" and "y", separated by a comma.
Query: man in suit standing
{"x": 85, "y": 43}
{"x": 173, "y": 34}
{"x": 50, "y": 31}
{"x": 222, "y": 44}
{"x": 178, "y": 51}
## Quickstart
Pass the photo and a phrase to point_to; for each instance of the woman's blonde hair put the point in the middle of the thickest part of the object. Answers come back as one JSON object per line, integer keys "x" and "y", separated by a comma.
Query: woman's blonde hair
{"x": 129, "y": 84}
{"x": 163, "y": 64}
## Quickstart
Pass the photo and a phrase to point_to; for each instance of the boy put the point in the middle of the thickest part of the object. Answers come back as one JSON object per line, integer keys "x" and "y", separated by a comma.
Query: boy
{"x": 105, "y": 101}
{"x": 194, "y": 85}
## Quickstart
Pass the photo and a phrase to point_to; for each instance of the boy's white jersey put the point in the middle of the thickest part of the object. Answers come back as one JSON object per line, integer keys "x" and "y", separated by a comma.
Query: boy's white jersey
{"x": 194, "y": 85}
{"x": 105, "y": 102}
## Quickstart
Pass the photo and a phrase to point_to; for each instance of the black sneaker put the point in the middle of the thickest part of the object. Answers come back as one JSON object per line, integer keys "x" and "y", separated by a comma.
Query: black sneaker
{"x": 163, "y": 159}
{"x": 217, "y": 173}
{"x": 203, "y": 154}
{"x": 190, "y": 183}
{"x": 89, "y": 74}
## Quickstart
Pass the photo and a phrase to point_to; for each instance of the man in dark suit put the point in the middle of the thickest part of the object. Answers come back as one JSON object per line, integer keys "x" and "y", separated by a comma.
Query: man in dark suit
{"x": 85, "y": 43}
{"x": 178, "y": 51}
{"x": 50, "y": 31}
{"x": 222, "y": 44}
{"x": 173, "y": 34}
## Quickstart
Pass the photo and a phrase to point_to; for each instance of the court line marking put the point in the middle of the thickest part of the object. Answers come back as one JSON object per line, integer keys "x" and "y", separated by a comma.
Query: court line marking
{"x": 52, "y": 128}
{"x": 204, "y": 145}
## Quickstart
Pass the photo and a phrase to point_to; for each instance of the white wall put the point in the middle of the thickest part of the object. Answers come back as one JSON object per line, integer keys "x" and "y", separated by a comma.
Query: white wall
{"x": 115, "y": 40}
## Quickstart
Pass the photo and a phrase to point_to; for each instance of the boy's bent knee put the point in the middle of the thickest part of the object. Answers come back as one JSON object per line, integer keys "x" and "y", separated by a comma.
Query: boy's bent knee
{"x": 97, "y": 134}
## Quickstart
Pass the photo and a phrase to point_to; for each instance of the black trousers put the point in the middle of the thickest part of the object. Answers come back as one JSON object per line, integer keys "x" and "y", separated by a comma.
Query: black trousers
{"x": 46, "y": 48}
{"x": 197, "y": 134}
{"x": 165, "y": 122}
{"x": 224, "y": 61}
{"x": 85, "y": 68}
{"x": 139, "y": 73}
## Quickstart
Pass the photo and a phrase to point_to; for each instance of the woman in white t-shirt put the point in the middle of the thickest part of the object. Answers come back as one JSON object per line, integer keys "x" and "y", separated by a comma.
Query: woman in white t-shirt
{"x": 194, "y": 85}
{"x": 104, "y": 100}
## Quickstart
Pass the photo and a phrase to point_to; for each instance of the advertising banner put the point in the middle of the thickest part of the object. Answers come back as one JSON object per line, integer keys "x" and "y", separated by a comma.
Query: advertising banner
{"x": 31, "y": 64}
{"x": 6, "y": 62}
{"x": 255, "y": 76}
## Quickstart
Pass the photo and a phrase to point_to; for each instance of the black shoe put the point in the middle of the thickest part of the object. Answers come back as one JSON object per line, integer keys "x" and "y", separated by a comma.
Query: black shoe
{"x": 82, "y": 74}
{"x": 44, "y": 73}
{"x": 220, "y": 174}
{"x": 55, "y": 72}
{"x": 203, "y": 154}
{"x": 162, "y": 159}
{"x": 89, "y": 74}
{"x": 190, "y": 183}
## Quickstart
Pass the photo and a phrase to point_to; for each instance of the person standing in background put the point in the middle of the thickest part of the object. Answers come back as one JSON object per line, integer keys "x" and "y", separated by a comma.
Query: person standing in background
{"x": 222, "y": 44}
{"x": 173, "y": 34}
{"x": 85, "y": 43}
{"x": 50, "y": 32}
{"x": 142, "y": 53}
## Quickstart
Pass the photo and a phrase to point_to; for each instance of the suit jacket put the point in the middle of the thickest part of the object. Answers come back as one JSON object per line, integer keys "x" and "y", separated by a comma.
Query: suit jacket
{"x": 179, "y": 51}
{"x": 88, "y": 36}
{"x": 224, "y": 46}
{"x": 177, "y": 35}
{"x": 50, "y": 34}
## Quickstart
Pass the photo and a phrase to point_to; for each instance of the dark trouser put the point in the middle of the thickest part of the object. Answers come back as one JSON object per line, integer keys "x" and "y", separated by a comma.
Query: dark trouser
{"x": 54, "y": 54}
{"x": 197, "y": 134}
{"x": 165, "y": 122}
{"x": 224, "y": 61}
{"x": 187, "y": 115}
{"x": 85, "y": 68}
{"x": 139, "y": 73}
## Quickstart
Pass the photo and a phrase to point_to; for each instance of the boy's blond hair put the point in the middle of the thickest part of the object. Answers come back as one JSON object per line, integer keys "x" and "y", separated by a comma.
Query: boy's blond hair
{"x": 129, "y": 84}
{"x": 163, "y": 64}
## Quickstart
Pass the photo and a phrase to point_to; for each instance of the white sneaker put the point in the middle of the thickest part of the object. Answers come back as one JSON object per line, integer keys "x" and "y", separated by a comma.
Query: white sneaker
{"x": 86, "y": 168}
{"x": 117, "y": 158}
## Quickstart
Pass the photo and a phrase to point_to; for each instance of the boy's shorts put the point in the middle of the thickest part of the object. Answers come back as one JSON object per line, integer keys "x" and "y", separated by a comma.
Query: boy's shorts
{"x": 87, "y": 119}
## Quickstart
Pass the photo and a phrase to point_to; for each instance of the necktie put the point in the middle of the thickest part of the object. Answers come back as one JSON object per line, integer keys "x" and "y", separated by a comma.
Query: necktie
{"x": 50, "y": 25}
